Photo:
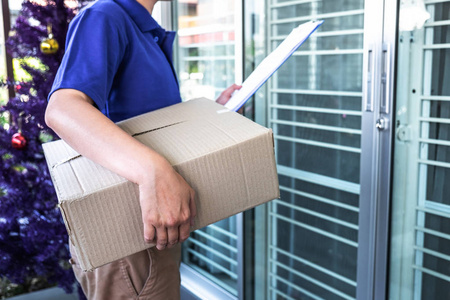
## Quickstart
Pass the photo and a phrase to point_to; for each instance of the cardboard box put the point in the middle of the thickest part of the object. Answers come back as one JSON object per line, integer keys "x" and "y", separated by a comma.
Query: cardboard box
{"x": 226, "y": 158}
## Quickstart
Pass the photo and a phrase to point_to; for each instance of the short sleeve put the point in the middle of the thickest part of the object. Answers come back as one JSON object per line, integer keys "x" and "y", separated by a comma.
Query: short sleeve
{"x": 95, "y": 46}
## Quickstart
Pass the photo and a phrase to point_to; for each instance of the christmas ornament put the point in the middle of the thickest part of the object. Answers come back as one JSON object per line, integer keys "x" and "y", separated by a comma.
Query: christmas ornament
{"x": 49, "y": 45}
{"x": 18, "y": 141}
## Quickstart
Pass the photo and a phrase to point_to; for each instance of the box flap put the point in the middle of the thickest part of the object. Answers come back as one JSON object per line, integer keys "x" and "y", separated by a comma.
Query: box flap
{"x": 72, "y": 173}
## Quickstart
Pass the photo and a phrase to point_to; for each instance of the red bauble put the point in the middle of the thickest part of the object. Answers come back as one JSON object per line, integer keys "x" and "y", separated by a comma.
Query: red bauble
{"x": 18, "y": 141}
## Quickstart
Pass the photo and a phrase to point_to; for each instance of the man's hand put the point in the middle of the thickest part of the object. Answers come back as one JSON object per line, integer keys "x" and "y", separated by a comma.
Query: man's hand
{"x": 226, "y": 94}
{"x": 168, "y": 206}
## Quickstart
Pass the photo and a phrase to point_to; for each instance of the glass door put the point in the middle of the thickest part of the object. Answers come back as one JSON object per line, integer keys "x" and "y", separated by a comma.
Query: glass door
{"x": 420, "y": 255}
{"x": 330, "y": 110}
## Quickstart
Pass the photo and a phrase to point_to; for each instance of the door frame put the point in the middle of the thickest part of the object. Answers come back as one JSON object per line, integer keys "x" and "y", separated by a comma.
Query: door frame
{"x": 380, "y": 44}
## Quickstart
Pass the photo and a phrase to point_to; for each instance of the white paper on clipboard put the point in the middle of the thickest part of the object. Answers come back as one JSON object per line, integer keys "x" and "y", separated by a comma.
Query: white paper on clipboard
{"x": 271, "y": 63}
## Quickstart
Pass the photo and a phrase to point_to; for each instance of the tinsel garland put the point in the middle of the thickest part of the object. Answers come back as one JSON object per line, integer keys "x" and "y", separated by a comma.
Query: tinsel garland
{"x": 33, "y": 239}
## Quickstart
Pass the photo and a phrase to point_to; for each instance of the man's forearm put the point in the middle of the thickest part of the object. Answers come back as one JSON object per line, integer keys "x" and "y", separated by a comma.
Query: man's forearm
{"x": 73, "y": 117}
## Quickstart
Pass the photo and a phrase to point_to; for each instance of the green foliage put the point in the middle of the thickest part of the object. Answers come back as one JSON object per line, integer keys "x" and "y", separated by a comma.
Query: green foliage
{"x": 3, "y": 97}
{"x": 4, "y": 119}
{"x": 193, "y": 68}
{"x": 20, "y": 74}
{"x": 45, "y": 137}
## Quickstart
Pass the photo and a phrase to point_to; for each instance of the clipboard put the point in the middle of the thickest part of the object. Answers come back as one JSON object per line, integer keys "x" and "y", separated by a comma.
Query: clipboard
{"x": 272, "y": 63}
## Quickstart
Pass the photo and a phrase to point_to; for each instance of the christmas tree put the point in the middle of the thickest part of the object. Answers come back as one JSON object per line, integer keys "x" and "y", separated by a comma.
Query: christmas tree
{"x": 33, "y": 239}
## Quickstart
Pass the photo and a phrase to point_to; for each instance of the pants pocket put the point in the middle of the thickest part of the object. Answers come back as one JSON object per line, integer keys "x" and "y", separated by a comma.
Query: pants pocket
{"x": 136, "y": 271}
{"x": 149, "y": 281}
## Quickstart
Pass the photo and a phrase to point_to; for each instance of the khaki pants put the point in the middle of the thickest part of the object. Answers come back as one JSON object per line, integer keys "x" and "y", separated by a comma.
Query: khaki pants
{"x": 150, "y": 274}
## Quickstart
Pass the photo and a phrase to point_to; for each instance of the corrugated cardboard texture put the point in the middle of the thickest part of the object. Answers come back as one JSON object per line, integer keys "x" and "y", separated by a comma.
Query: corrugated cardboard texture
{"x": 226, "y": 158}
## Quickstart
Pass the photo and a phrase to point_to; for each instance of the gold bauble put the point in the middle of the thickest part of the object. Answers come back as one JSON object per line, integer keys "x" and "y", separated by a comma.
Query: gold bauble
{"x": 49, "y": 46}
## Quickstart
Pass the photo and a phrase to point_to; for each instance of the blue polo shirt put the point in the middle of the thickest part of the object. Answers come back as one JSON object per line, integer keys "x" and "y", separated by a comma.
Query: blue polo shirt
{"x": 119, "y": 56}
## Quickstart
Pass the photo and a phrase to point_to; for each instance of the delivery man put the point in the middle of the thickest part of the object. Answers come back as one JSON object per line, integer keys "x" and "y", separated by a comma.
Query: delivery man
{"x": 118, "y": 64}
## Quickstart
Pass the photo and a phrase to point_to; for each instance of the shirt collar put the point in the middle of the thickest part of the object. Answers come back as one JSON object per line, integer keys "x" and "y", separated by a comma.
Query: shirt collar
{"x": 139, "y": 14}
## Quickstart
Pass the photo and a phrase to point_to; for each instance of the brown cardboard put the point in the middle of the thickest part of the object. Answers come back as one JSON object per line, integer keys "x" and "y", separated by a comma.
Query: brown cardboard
{"x": 226, "y": 158}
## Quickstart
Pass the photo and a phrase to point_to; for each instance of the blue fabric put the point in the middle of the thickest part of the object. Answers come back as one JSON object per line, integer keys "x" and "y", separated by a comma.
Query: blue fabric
{"x": 119, "y": 56}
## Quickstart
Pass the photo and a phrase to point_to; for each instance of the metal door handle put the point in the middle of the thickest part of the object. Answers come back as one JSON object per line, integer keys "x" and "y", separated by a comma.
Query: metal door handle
{"x": 368, "y": 105}
{"x": 386, "y": 79}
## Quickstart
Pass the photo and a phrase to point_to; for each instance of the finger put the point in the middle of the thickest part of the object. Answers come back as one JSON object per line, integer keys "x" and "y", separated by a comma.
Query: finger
{"x": 193, "y": 208}
{"x": 172, "y": 236}
{"x": 161, "y": 238}
{"x": 149, "y": 233}
{"x": 184, "y": 229}
{"x": 227, "y": 93}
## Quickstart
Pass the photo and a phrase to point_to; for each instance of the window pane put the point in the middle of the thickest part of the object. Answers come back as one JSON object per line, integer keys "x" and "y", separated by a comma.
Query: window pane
{"x": 206, "y": 47}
